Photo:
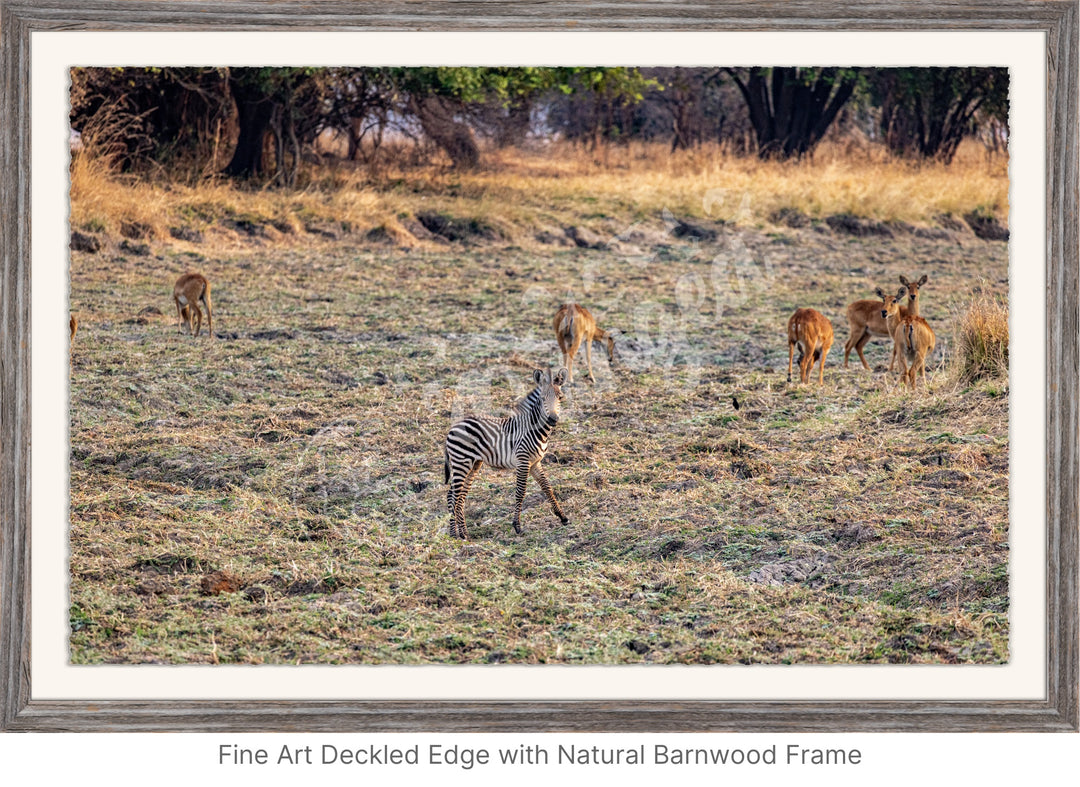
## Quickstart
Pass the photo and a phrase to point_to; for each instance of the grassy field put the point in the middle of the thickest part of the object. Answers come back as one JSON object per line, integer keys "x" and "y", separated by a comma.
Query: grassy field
{"x": 276, "y": 495}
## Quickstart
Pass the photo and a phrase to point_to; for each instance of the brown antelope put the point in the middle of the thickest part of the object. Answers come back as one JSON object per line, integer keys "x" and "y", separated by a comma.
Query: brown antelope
{"x": 574, "y": 325}
{"x": 73, "y": 326}
{"x": 912, "y": 336}
{"x": 813, "y": 332}
{"x": 187, "y": 292}
{"x": 865, "y": 321}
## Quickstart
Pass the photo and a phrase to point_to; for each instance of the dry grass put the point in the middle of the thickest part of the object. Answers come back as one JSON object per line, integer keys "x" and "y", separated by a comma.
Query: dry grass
{"x": 521, "y": 192}
{"x": 982, "y": 339}
{"x": 300, "y": 453}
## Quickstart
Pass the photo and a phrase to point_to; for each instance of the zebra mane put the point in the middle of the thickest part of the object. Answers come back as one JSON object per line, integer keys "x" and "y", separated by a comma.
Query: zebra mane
{"x": 527, "y": 404}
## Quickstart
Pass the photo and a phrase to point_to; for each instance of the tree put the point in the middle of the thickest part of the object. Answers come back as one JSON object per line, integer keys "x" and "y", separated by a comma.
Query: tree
{"x": 358, "y": 103}
{"x": 135, "y": 116}
{"x": 443, "y": 100}
{"x": 599, "y": 103}
{"x": 265, "y": 100}
{"x": 927, "y": 112}
{"x": 690, "y": 100}
{"x": 791, "y": 108}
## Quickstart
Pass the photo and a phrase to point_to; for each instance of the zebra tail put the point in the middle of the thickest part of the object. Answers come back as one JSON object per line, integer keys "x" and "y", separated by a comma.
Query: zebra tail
{"x": 446, "y": 466}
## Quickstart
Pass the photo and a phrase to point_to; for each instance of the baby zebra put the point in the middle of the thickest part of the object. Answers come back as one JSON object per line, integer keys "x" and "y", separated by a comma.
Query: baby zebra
{"x": 517, "y": 442}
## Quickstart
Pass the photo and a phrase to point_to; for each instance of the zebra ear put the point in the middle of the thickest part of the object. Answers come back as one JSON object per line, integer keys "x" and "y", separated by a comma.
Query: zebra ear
{"x": 538, "y": 375}
{"x": 560, "y": 377}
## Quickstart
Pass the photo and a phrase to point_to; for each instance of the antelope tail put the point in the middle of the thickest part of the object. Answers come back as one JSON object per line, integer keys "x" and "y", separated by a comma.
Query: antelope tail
{"x": 910, "y": 337}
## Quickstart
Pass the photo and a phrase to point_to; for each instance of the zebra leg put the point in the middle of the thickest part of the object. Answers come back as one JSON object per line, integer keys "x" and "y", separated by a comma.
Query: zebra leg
{"x": 460, "y": 481}
{"x": 522, "y": 479}
{"x": 457, "y": 513}
{"x": 541, "y": 478}
{"x": 466, "y": 484}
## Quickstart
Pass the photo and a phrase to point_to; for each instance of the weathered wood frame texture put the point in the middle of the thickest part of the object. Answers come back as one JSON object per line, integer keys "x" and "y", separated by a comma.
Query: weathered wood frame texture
{"x": 1058, "y": 712}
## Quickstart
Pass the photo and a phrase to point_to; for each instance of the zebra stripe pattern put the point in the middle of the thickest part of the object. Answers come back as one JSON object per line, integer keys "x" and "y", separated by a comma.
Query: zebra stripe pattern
{"x": 517, "y": 442}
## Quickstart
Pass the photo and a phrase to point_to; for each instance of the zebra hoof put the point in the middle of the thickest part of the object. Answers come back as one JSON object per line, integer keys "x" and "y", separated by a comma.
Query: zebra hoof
{"x": 565, "y": 520}
{"x": 517, "y": 526}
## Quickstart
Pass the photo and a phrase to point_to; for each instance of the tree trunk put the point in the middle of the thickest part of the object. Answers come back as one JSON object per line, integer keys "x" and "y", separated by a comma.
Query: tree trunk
{"x": 455, "y": 138}
{"x": 790, "y": 116}
{"x": 254, "y": 111}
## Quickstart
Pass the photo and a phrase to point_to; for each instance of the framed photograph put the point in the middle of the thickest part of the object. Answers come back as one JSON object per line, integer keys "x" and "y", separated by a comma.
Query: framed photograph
{"x": 553, "y": 369}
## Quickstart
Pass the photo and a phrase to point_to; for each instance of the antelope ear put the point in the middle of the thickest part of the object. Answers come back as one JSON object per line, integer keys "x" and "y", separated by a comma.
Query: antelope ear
{"x": 880, "y": 294}
{"x": 901, "y": 293}
{"x": 903, "y": 280}
{"x": 923, "y": 280}
{"x": 537, "y": 375}
{"x": 560, "y": 377}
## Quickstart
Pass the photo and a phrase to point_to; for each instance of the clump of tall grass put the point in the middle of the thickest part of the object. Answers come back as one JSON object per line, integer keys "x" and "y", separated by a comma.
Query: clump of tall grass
{"x": 982, "y": 339}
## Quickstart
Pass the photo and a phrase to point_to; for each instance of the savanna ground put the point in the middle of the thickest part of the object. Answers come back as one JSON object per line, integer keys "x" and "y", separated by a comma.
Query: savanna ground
{"x": 276, "y": 495}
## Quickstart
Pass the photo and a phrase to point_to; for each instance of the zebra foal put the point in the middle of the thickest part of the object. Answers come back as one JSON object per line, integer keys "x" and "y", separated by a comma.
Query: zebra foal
{"x": 517, "y": 443}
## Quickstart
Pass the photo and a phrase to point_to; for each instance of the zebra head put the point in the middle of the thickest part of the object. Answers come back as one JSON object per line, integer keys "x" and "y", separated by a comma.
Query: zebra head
{"x": 549, "y": 391}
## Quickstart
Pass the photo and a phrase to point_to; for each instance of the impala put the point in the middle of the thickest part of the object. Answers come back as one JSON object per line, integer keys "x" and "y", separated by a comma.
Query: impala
{"x": 865, "y": 320}
{"x": 913, "y": 338}
{"x": 189, "y": 290}
{"x": 813, "y": 333}
{"x": 574, "y": 325}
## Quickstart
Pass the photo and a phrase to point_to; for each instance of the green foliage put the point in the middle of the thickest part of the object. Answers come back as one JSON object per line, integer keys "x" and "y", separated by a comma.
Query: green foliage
{"x": 472, "y": 85}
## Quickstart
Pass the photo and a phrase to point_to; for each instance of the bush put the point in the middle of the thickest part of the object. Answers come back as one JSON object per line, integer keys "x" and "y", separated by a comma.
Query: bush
{"x": 982, "y": 339}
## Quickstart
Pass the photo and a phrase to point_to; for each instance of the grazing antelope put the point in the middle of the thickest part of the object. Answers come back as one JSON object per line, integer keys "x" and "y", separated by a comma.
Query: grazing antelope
{"x": 913, "y": 338}
{"x": 517, "y": 443}
{"x": 73, "y": 326}
{"x": 574, "y": 325}
{"x": 865, "y": 321}
{"x": 187, "y": 292}
{"x": 813, "y": 332}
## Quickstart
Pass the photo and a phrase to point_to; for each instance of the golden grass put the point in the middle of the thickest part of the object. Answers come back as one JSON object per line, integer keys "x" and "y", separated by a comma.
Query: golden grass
{"x": 517, "y": 190}
{"x": 982, "y": 339}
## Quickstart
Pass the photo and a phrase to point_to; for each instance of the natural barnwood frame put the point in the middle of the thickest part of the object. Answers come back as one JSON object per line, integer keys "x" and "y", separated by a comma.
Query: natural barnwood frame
{"x": 1058, "y": 712}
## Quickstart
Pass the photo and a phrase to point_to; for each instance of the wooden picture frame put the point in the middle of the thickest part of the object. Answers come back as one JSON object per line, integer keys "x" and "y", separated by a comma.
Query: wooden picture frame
{"x": 1058, "y": 711}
